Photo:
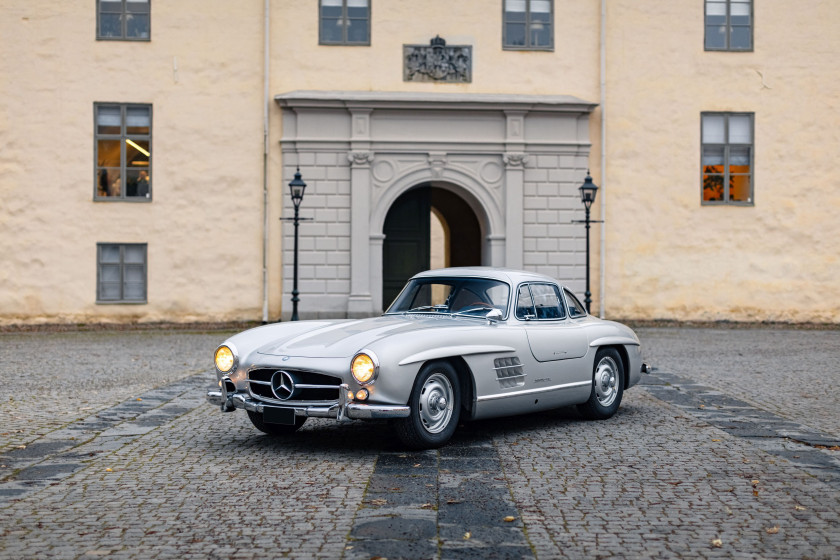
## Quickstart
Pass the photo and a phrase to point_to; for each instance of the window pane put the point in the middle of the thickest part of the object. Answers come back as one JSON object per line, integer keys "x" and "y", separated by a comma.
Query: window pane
{"x": 739, "y": 12}
{"x": 712, "y": 187}
{"x": 332, "y": 30}
{"x": 357, "y": 31}
{"x": 739, "y": 188}
{"x": 137, "y": 183}
{"x": 576, "y": 308}
{"x": 110, "y": 25}
{"x": 108, "y": 182}
{"x": 715, "y": 8}
{"x": 134, "y": 292}
{"x": 713, "y": 157}
{"x": 137, "y": 152}
{"x": 134, "y": 274}
{"x": 137, "y": 26}
{"x": 515, "y": 6}
{"x": 524, "y": 304}
{"x": 713, "y": 129}
{"x": 740, "y": 131}
{"x": 108, "y": 153}
{"x": 109, "y": 273}
{"x": 716, "y": 37}
{"x": 137, "y": 120}
{"x": 134, "y": 253}
{"x": 331, "y": 8}
{"x": 109, "y": 291}
{"x": 740, "y": 38}
{"x": 540, "y": 34}
{"x": 739, "y": 159}
{"x": 546, "y": 301}
{"x": 108, "y": 119}
{"x": 357, "y": 8}
{"x": 540, "y": 7}
{"x": 515, "y": 34}
{"x": 109, "y": 254}
{"x": 137, "y": 6}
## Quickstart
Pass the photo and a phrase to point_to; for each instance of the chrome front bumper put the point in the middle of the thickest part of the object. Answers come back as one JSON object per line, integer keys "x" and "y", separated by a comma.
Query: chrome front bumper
{"x": 343, "y": 410}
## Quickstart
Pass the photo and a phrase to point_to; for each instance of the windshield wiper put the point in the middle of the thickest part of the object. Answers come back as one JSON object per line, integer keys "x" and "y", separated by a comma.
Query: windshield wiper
{"x": 472, "y": 311}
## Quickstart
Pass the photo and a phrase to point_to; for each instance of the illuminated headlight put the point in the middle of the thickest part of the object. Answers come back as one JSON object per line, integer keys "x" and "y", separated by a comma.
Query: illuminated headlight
{"x": 225, "y": 359}
{"x": 364, "y": 367}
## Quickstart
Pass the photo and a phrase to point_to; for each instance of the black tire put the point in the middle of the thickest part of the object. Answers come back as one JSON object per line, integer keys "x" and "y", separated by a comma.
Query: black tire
{"x": 607, "y": 385}
{"x": 275, "y": 429}
{"x": 435, "y": 408}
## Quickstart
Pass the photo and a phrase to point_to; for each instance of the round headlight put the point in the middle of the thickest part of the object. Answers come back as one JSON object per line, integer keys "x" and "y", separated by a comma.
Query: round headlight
{"x": 364, "y": 368}
{"x": 224, "y": 359}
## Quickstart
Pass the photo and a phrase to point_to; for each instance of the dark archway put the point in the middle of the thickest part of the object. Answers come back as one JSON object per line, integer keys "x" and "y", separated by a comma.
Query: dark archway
{"x": 407, "y": 245}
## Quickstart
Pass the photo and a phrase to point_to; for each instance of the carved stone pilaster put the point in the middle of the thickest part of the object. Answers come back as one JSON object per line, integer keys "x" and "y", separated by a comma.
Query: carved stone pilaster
{"x": 515, "y": 159}
{"x": 360, "y": 158}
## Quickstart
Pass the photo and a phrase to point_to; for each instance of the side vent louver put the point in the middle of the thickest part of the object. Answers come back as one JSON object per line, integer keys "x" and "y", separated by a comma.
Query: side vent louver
{"x": 509, "y": 372}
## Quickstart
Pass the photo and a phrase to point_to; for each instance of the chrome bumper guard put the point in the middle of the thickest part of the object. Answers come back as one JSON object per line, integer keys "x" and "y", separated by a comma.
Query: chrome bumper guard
{"x": 344, "y": 410}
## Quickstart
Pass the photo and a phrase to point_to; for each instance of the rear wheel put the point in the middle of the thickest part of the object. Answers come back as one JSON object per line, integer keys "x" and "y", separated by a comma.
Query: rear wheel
{"x": 435, "y": 408}
{"x": 607, "y": 385}
{"x": 275, "y": 429}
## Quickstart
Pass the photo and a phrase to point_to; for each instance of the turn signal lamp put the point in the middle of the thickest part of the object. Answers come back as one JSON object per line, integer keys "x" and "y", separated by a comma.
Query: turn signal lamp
{"x": 362, "y": 395}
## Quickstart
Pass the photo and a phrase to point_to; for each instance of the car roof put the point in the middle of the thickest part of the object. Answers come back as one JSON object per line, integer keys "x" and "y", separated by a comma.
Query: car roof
{"x": 508, "y": 275}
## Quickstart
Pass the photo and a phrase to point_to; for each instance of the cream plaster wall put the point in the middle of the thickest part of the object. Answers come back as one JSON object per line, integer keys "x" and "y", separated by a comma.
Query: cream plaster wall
{"x": 202, "y": 72}
{"x": 670, "y": 257}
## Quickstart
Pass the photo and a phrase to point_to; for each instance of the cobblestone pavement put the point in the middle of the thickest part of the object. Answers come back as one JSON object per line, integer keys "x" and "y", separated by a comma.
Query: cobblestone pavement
{"x": 716, "y": 456}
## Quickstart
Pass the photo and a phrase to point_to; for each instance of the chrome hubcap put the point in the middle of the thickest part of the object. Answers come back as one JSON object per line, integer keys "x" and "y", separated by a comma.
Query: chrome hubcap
{"x": 606, "y": 381}
{"x": 436, "y": 403}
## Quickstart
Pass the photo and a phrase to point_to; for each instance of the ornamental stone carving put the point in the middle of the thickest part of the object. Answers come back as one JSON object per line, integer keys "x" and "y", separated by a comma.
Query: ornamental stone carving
{"x": 360, "y": 158}
{"x": 437, "y": 62}
{"x": 515, "y": 159}
{"x": 437, "y": 161}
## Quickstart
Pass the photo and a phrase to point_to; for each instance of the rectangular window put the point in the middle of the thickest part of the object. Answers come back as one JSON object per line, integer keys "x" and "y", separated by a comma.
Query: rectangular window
{"x": 344, "y": 22}
{"x": 528, "y": 25}
{"x": 727, "y": 158}
{"x": 123, "y": 20}
{"x": 123, "y": 138}
{"x": 121, "y": 273}
{"x": 729, "y": 25}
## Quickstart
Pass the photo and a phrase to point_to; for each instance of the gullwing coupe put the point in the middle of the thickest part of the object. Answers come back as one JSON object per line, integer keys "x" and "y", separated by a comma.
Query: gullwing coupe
{"x": 456, "y": 344}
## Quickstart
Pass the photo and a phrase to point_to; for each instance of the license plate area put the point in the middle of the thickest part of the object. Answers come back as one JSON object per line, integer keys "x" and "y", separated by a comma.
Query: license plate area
{"x": 277, "y": 415}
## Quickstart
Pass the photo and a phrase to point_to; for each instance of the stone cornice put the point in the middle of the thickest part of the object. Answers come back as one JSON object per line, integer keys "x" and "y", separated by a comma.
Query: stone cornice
{"x": 421, "y": 100}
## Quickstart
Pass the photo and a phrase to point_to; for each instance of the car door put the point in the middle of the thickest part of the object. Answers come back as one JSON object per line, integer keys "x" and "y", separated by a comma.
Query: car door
{"x": 551, "y": 336}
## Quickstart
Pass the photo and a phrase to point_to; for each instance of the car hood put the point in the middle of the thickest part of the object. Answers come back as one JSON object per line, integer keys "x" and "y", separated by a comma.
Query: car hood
{"x": 339, "y": 339}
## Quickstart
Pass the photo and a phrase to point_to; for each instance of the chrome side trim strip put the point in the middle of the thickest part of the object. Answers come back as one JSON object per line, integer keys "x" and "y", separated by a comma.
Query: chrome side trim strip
{"x": 533, "y": 391}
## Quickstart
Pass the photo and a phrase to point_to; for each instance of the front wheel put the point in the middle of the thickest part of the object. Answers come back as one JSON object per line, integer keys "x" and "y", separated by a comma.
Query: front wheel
{"x": 435, "y": 404}
{"x": 275, "y": 429}
{"x": 607, "y": 385}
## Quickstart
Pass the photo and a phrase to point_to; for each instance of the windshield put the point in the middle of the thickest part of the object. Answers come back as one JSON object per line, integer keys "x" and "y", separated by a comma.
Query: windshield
{"x": 468, "y": 296}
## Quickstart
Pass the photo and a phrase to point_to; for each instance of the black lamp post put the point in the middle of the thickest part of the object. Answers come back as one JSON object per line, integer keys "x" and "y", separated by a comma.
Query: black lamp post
{"x": 296, "y": 187}
{"x": 588, "y": 190}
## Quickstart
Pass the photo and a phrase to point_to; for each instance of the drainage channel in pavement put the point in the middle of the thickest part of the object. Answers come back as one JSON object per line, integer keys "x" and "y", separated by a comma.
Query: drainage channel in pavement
{"x": 447, "y": 503}
{"x": 804, "y": 447}
{"x": 62, "y": 452}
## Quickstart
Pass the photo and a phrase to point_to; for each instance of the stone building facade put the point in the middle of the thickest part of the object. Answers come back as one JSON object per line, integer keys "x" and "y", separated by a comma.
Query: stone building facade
{"x": 147, "y": 147}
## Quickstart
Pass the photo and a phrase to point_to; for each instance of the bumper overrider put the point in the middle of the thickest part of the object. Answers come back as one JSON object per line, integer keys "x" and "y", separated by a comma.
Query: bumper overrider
{"x": 342, "y": 410}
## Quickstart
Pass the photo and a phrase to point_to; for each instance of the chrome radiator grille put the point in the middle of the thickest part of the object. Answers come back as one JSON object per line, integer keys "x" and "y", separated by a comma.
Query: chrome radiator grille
{"x": 509, "y": 372}
{"x": 292, "y": 386}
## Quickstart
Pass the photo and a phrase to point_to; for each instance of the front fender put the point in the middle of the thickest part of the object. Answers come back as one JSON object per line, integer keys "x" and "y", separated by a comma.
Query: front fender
{"x": 449, "y": 351}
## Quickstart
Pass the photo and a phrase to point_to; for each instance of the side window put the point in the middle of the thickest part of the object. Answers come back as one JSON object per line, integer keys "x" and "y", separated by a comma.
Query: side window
{"x": 547, "y": 302}
{"x": 525, "y": 304}
{"x": 123, "y": 20}
{"x": 123, "y": 135}
{"x": 121, "y": 273}
{"x": 344, "y": 22}
{"x": 576, "y": 308}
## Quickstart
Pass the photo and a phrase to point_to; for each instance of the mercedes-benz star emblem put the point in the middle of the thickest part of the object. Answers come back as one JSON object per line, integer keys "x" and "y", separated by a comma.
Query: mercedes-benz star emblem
{"x": 282, "y": 385}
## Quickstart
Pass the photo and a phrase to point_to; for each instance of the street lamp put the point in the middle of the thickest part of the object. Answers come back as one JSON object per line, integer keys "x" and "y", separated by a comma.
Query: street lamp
{"x": 296, "y": 187}
{"x": 588, "y": 190}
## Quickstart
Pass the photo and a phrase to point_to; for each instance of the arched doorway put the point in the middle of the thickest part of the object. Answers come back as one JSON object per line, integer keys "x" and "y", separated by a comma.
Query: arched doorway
{"x": 427, "y": 227}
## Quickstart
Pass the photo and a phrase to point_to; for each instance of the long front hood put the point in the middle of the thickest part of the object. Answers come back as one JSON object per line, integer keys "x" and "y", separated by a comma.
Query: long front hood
{"x": 340, "y": 339}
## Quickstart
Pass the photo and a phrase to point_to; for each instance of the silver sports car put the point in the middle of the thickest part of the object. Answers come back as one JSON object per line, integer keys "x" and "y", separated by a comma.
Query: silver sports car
{"x": 457, "y": 343}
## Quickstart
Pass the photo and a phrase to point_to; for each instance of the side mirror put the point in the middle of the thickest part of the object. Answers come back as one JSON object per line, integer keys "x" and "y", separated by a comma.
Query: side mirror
{"x": 493, "y": 316}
